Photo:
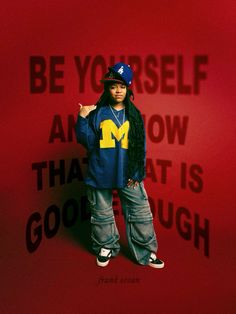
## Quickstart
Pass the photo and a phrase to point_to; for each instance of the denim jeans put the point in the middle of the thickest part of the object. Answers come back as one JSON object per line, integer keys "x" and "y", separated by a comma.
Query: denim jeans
{"x": 138, "y": 219}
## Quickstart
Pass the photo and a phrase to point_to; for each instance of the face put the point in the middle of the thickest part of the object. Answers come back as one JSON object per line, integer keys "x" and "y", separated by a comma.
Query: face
{"x": 117, "y": 92}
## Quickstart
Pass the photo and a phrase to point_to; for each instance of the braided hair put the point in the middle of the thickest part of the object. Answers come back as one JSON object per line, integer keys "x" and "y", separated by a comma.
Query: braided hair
{"x": 136, "y": 136}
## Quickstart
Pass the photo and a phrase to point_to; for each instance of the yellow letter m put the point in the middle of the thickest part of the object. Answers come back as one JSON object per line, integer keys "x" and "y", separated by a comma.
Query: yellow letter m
{"x": 108, "y": 128}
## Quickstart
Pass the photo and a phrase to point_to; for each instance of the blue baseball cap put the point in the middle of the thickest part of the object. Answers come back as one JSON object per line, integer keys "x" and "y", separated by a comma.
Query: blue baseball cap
{"x": 120, "y": 72}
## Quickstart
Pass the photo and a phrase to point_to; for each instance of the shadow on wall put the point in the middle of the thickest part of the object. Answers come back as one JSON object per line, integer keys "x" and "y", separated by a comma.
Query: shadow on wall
{"x": 75, "y": 215}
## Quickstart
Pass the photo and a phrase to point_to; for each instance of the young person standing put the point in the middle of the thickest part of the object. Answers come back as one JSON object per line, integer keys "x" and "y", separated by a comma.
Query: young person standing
{"x": 113, "y": 133}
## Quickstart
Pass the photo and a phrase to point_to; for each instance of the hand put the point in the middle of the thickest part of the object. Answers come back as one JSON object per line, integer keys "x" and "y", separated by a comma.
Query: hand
{"x": 132, "y": 183}
{"x": 85, "y": 110}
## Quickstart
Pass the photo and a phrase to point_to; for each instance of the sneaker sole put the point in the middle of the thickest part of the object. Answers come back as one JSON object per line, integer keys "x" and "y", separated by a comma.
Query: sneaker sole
{"x": 102, "y": 264}
{"x": 156, "y": 265}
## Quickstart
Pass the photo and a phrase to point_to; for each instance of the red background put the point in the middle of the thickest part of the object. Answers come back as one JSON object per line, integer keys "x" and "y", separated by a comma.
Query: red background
{"x": 61, "y": 275}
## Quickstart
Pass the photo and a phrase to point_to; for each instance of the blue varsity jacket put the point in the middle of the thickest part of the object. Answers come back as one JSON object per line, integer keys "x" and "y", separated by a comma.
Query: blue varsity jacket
{"x": 105, "y": 136}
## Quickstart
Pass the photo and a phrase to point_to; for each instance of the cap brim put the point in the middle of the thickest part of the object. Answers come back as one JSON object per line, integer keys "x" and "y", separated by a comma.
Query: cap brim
{"x": 107, "y": 80}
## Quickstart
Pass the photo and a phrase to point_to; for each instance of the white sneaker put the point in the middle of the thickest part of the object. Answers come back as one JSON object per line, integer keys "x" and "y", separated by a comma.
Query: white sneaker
{"x": 155, "y": 262}
{"x": 103, "y": 257}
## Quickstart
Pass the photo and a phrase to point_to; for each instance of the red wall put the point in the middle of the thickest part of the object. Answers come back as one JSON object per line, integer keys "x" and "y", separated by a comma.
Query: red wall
{"x": 183, "y": 55}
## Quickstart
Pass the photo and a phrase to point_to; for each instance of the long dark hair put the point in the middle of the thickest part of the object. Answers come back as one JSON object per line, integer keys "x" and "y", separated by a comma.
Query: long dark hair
{"x": 136, "y": 136}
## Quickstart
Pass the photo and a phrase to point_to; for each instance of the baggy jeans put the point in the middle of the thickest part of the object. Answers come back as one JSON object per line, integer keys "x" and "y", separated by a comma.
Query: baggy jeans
{"x": 138, "y": 220}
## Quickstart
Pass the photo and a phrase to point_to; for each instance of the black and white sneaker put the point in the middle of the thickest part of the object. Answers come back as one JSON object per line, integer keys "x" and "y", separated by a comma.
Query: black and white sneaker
{"x": 103, "y": 257}
{"x": 155, "y": 262}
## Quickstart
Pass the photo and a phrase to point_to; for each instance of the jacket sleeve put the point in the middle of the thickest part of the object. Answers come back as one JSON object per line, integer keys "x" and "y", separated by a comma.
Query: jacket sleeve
{"x": 85, "y": 132}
